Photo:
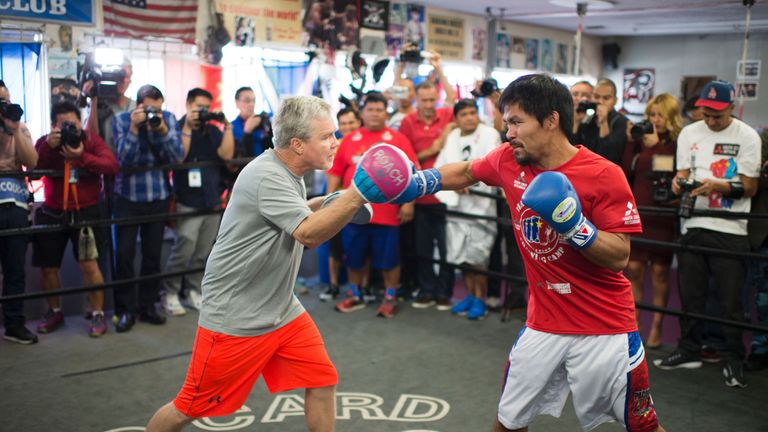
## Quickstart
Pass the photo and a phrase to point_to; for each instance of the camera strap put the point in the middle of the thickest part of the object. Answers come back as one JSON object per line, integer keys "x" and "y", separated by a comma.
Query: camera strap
{"x": 67, "y": 186}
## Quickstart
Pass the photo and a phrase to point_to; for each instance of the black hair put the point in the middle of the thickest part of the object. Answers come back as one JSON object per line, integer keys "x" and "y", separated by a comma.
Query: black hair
{"x": 64, "y": 107}
{"x": 347, "y": 110}
{"x": 2, "y": 84}
{"x": 196, "y": 92}
{"x": 241, "y": 90}
{"x": 148, "y": 91}
{"x": 540, "y": 95}
{"x": 464, "y": 104}
{"x": 374, "y": 97}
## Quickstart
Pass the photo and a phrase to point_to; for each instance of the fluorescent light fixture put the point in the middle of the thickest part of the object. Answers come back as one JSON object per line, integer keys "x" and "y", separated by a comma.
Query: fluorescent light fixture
{"x": 591, "y": 4}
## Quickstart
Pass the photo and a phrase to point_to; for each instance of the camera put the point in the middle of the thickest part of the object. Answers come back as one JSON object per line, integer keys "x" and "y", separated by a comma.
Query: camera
{"x": 412, "y": 54}
{"x": 642, "y": 128}
{"x": 487, "y": 87}
{"x": 104, "y": 68}
{"x": 154, "y": 116}
{"x": 585, "y": 106}
{"x": 398, "y": 92}
{"x": 70, "y": 137}
{"x": 687, "y": 201}
{"x": 10, "y": 111}
{"x": 204, "y": 116}
{"x": 661, "y": 175}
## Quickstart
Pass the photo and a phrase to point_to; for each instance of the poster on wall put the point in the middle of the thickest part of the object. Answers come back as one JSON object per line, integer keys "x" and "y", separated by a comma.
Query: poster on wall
{"x": 502, "y": 50}
{"x": 446, "y": 36}
{"x": 748, "y": 70}
{"x": 547, "y": 56}
{"x": 747, "y": 90}
{"x": 330, "y": 25}
{"x": 561, "y": 61}
{"x": 479, "y": 42}
{"x": 251, "y": 21}
{"x": 398, "y": 16}
{"x": 415, "y": 29}
{"x": 374, "y": 14}
{"x": 532, "y": 54}
{"x": 638, "y": 89}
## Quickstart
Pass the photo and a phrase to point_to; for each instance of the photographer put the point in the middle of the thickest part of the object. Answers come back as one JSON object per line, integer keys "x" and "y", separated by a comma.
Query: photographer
{"x": 654, "y": 144}
{"x": 196, "y": 189}
{"x": 605, "y": 132}
{"x": 145, "y": 137}
{"x": 16, "y": 149}
{"x": 582, "y": 102}
{"x": 104, "y": 108}
{"x": 84, "y": 158}
{"x": 718, "y": 162}
{"x": 252, "y": 133}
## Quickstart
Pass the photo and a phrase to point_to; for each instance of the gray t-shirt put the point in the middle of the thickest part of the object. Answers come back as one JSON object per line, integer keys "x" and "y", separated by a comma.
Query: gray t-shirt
{"x": 250, "y": 274}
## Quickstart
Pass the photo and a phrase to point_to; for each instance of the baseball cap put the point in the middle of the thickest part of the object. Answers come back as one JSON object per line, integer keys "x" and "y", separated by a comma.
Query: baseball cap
{"x": 717, "y": 95}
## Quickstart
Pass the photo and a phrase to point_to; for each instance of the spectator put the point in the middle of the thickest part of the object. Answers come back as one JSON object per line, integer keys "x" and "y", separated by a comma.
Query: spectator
{"x": 605, "y": 133}
{"x": 16, "y": 149}
{"x": 145, "y": 137}
{"x": 653, "y": 171}
{"x": 582, "y": 92}
{"x": 721, "y": 154}
{"x": 104, "y": 109}
{"x": 469, "y": 241}
{"x": 196, "y": 189}
{"x": 427, "y": 129}
{"x": 691, "y": 112}
{"x": 404, "y": 104}
{"x": 349, "y": 121}
{"x": 247, "y": 127}
{"x": 380, "y": 238}
{"x": 84, "y": 158}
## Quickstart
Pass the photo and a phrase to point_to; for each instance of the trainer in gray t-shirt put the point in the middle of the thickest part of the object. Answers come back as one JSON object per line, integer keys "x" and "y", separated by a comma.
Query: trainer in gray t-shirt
{"x": 250, "y": 274}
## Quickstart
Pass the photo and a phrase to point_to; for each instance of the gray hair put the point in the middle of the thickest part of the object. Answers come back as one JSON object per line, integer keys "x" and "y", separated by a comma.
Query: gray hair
{"x": 293, "y": 118}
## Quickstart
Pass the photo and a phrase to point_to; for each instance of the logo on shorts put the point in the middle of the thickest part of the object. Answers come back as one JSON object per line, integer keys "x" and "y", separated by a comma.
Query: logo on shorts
{"x": 642, "y": 404}
{"x": 216, "y": 399}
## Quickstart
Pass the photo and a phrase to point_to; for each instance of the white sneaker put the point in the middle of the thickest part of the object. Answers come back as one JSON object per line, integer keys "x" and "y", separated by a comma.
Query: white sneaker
{"x": 195, "y": 299}
{"x": 173, "y": 306}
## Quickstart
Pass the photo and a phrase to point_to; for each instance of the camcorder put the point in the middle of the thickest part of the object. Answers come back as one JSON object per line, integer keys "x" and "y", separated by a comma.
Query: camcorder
{"x": 412, "y": 54}
{"x": 154, "y": 117}
{"x": 641, "y": 128}
{"x": 10, "y": 111}
{"x": 205, "y": 116}
{"x": 687, "y": 201}
{"x": 487, "y": 87}
{"x": 105, "y": 73}
{"x": 70, "y": 137}
{"x": 585, "y": 106}
{"x": 661, "y": 175}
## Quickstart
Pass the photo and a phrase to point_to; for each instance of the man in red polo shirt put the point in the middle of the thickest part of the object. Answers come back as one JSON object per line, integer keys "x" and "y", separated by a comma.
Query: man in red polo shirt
{"x": 427, "y": 129}
{"x": 381, "y": 238}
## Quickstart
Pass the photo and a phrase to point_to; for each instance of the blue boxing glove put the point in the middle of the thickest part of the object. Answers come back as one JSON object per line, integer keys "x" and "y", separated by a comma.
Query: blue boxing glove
{"x": 425, "y": 182}
{"x": 553, "y": 197}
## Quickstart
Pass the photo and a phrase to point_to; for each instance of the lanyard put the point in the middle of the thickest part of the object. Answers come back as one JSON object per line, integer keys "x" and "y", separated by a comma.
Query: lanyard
{"x": 67, "y": 185}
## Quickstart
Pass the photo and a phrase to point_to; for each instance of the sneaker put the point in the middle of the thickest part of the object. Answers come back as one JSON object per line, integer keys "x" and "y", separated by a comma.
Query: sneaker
{"x": 477, "y": 311}
{"x": 350, "y": 304}
{"x": 734, "y": 374}
{"x": 462, "y": 307}
{"x": 678, "y": 359}
{"x": 369, "y": 295}
{"x": 98, "y": 325}
{"x": 423, "y": 303}
{"x": 194, "y": 299}
{"x": 444, "y": 305}
{"x": 50, "y": 322}
{"x": 20, "y": 334}
{"x": 709, "y": 355}
{"x": 493, "y": 303}
{"x": 330, "y": 293}
{"x": 173, "y": 306}
{"x": 387, "y": 309}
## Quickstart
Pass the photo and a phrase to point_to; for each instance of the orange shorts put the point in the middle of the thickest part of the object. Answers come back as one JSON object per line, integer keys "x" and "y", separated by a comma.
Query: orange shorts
{"x": 224, "y": 368}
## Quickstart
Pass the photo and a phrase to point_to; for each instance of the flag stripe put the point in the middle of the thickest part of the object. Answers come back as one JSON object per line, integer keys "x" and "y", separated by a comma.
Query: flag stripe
{"x": 163, "y": 18}
{"x": 149, "y": 29}
{"x": 154, "y": 17}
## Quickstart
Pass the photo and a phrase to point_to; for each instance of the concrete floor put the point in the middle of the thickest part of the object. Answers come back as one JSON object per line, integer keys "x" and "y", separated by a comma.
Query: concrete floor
{"x": 422, "y": 371}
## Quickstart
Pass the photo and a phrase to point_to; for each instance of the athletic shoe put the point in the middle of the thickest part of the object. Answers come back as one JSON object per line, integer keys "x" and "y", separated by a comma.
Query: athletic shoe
{"x": 50, "y": 322}
{"x": 194, "y": 299}
{"x": 677, "y": 360}
{"x": 477, "y": 311}
{"x": 444, "y": 305}
{"x": 709, "y": 355}
{"x": 462, "y": 307}
{"x": 20, "y": 335}
{"x": 423, "y": 303}
{"x": 98, "y": 325}
{"x": 493, "y": 303}
{"x": 734, "y": 374}
{"x": 350, "y": 304}
{"x": 330, "y": 293}
{"x": 387, "y": 309}
{"x": 173, "y": 306}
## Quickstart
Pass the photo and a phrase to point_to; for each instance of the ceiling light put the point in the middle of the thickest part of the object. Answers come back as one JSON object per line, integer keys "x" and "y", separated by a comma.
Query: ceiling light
{"x": 591, "y": 4}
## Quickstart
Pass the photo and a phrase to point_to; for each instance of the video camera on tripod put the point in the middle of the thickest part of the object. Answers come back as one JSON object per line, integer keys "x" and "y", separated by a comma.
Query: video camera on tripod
{"x": 103, "y": 67}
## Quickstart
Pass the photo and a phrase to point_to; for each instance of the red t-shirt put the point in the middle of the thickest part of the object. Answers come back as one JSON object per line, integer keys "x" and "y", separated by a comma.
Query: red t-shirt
{"x": 422, "y": 135}
{"x": 348, "y": 154}
{"x": 568, "y": 294}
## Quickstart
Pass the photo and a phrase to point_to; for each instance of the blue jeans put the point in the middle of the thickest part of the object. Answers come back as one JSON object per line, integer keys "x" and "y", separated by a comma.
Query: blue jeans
{"x": 13, "y": 254}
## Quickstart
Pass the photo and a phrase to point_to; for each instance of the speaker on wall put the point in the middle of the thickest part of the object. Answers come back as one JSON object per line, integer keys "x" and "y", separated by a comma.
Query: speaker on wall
{"x": 611, "y": 53}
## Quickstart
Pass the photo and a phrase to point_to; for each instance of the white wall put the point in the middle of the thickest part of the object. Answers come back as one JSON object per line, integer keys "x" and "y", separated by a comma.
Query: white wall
{"x": 678, "y": 56}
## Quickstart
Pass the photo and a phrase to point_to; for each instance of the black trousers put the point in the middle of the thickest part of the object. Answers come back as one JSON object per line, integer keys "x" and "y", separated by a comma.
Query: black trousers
{"x": 694, "y": 271}
{"x": 13, "y": 255}
{"x": 430, "y": 224}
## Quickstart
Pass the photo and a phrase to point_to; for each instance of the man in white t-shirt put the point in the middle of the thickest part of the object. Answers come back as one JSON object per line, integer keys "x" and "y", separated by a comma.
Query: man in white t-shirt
{"x": 718, "y": 162}
{"x": 470, "y": 241}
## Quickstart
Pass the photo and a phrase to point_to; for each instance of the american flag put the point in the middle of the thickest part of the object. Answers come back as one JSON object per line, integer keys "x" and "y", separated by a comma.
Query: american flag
{"x": 156, "y": 18}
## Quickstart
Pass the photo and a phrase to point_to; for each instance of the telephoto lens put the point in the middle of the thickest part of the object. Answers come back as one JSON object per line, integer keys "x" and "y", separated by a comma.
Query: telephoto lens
{"x": 154, "y": 117}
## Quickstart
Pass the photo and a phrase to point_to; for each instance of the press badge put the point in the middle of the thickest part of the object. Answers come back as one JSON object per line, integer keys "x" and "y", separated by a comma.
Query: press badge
{"x": 195, "y": 179}
{"x": 72, "y": 176}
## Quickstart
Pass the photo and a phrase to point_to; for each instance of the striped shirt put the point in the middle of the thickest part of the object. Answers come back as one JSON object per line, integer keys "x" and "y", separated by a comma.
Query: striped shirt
{"x": 135, "y": 151}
